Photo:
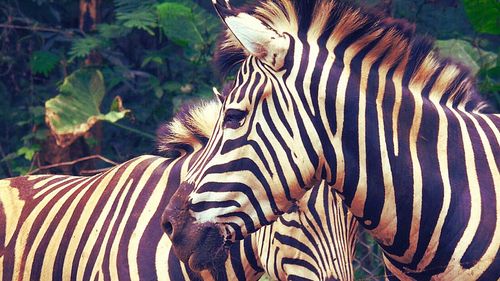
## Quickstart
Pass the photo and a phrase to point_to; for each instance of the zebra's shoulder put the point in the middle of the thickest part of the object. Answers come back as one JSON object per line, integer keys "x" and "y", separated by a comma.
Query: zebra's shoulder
{"x": 189, "y": 129}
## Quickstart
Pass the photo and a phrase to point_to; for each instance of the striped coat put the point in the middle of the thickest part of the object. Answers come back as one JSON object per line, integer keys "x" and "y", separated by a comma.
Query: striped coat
{"x": 328, "y": 91}
{"x": 107, "y": 226}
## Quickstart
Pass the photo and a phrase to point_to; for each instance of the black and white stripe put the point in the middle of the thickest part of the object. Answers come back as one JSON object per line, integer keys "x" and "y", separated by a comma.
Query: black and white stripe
{"x": 107, "y": 226}
{"x": 330, "y": 92}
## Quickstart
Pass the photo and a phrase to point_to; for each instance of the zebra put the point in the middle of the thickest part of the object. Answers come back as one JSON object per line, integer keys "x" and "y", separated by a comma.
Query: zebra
{"x": 328, "y": 91}
{"x": 107, "y": 226}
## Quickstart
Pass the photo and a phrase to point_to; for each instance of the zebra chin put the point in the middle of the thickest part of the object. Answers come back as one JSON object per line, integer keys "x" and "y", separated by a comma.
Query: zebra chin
{"x": 199, "y": 245}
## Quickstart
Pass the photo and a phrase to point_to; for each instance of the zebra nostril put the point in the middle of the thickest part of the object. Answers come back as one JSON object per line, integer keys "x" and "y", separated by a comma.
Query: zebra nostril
{"x": 169, "y": 221}
{"x": 168, "y": 228}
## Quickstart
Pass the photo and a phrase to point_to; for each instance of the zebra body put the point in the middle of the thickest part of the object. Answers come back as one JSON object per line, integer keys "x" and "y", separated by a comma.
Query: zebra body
{"x": 323, "y": 253}
{"x": 87, "y": 228}
{"x": 107, "y": 226}
{"x": 363, "y": 103}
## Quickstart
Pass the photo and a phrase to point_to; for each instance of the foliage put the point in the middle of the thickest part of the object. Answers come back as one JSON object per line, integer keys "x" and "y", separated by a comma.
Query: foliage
{"x": 464, "y": 52}
{"x": 484, "y": 15}
{"x": 155, "y": 55}
{"x": 177, "y": 23}
{"x": 43, "y": 62}
{"x": 75, "y": 110}
{"x": 83, "y": 47}
{"x": 137, "y": 51}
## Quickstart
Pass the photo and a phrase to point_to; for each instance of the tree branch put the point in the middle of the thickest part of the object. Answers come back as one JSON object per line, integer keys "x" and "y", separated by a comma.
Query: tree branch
{"x": 92, "y": 172}
{"x": 69, "y": 163}
{"x": 36, "y": 28}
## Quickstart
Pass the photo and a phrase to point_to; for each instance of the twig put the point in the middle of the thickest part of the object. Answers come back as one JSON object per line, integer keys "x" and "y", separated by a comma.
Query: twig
{"x": 130, "y": 129}
{"x": 35, "y": 157}
{"x": 35, "y": 28}
{"x": 69, "y": 163}
{"x": 92, "y": 172}
{"x": 9, "y": 169}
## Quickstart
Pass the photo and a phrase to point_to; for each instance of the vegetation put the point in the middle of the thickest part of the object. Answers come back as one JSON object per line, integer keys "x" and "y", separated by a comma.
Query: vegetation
{"x": 65, "y": 68}
{"x": 97, "y": 77}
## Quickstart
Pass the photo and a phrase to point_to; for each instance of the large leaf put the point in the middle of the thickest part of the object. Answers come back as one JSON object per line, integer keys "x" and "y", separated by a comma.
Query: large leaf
{"x": 484, "y": 15}
{"x": 465, "y": 53}
{"x": 177, "y": 23}
{"x": 76, "y": 109}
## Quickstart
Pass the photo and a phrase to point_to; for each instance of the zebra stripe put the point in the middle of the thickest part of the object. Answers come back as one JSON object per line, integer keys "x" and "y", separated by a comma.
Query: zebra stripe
{"x": 327, "y": 91}
{"x": 107, "y": 226}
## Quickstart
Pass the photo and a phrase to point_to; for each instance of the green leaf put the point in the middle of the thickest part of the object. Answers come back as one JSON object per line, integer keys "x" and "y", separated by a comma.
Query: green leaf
{"x": 143, "y": 18}
{"x": 152, "y": 57}
{"x": 117, "y": 105}
{"x": 43, "y": 62}
{"x": 112, "y": 77}
{"x": 207, "y": 23}
{"x": 41, "y": 134}
{"x": 177, "y": 23}
{"x": 82, "y": 47}
{"x": 465, "y": 53}
{"x": 484, "y": 15}
{"x": 129, "y": 6}
{"x": 36, "y": 111}
{"x": 28, "y": 151}
{"x": 136, "y": 14}
{"x": 493, "y": 72}
{"x": 76, "y": 109}
{"x": 172, "y": 86}
{"x": 91, "y": 141}
{"x": 21, "y": 170}
{"x": 112, "y": 31}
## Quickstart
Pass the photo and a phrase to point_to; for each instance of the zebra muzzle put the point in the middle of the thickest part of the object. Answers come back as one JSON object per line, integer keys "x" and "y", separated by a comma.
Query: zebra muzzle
{"x": 200, "y": 245}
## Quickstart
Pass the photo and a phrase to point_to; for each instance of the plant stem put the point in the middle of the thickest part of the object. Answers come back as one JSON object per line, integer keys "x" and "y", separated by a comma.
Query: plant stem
{"x": 35, "y": 28}
{"x": 130, "y": 129}
{"x": 70, "y": 163}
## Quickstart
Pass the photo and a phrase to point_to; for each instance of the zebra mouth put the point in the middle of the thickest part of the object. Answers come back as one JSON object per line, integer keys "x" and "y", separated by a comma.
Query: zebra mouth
{"x": 201, "y": 247}
{"x": 211, "y": 252}
{"x": 211, "y": 259}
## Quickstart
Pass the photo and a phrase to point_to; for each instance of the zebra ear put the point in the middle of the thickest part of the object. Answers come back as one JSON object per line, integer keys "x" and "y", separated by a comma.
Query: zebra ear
{"x": 218, "y": 95}
{"x": 255, "y": 36}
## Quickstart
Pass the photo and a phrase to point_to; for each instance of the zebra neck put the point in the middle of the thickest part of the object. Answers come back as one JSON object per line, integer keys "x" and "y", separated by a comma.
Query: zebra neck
{"x": 402, "y": 153}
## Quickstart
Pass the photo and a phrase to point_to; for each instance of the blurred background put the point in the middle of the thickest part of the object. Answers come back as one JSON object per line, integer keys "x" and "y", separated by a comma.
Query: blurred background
{"x": 84, "y": 84}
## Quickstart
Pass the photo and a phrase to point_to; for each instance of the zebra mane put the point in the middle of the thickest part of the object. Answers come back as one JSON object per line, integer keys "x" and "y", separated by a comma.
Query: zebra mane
{"x": 331, "y": 21}
{"x": 190, "y": 128}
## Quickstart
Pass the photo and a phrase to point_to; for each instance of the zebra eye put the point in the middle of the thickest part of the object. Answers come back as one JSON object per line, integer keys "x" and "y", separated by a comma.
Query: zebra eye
{"x": 233, "y": 118}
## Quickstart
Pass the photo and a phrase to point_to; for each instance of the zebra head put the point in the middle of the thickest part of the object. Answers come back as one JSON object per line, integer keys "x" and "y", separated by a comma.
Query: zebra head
{"x": 266, "y": 150}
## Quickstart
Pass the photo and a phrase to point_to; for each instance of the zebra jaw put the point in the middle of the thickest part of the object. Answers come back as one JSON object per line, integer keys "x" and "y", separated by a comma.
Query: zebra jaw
{"x": 210, "y": 251}
{"x": 200, "y": 245}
